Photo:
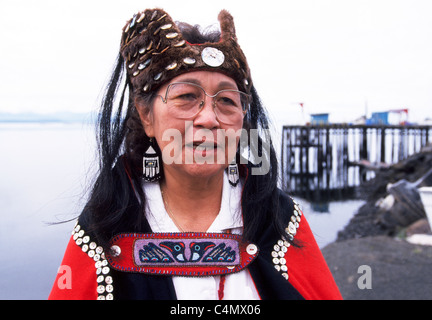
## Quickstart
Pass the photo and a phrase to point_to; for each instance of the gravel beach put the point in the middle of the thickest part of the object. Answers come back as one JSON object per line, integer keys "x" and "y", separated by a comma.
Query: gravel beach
{"x": 398, "y": 269}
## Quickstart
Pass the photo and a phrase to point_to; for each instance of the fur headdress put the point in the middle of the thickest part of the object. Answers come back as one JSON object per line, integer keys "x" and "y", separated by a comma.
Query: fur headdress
{"x": 155, "y": 51}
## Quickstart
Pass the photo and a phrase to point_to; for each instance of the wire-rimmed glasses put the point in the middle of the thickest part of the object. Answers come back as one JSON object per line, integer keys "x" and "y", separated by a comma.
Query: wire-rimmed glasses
{"x": 185, "y": 100}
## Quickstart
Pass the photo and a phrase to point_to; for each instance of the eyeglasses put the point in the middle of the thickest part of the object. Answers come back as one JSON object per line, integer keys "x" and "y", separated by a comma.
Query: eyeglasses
{"x": 185, "y": 100}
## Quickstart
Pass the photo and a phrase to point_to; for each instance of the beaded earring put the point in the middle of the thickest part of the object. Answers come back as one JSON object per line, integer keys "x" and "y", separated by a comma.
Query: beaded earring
{"x": 151, "y": 164}
{"x": 233, "y": 174}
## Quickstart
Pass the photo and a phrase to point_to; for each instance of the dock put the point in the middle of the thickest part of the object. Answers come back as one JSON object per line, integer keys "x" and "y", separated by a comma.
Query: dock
{"x": 330, "y": 161}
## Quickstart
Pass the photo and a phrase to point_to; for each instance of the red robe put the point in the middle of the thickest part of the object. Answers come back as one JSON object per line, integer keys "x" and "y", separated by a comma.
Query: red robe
{"x": 307, "y": 271}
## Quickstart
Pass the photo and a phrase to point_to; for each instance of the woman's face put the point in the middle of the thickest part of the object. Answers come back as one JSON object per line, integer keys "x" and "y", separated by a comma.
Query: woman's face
{"x": 198, "y": 145}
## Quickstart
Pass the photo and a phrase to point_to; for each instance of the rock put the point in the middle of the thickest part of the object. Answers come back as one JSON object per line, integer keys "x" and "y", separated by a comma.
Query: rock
{"x": 419, "y": 227}
{"x": 398, "y": 269}
{"x": 410, "y": 169}
{"x": 421, "y": 239}
{"x": 364, "y": 223}
{"x": 392, "y": 199}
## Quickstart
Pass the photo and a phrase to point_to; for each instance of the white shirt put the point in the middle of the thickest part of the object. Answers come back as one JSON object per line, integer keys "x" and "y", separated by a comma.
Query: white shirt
{"x": 237, "y": 285}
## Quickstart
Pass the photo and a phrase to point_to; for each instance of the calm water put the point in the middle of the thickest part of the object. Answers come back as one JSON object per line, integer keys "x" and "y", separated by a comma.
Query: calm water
{"x": 44, "y": 171}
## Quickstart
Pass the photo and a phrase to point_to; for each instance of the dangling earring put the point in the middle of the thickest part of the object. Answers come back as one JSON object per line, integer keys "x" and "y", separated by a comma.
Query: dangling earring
{"x": 151, "y": 164}
{"x": 233, "y": 175}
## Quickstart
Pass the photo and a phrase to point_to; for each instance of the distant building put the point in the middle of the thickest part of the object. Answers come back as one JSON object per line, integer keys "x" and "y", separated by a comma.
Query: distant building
{"x": 391, "y": 117}
{"x": 378, "y": 118}
{"x": 319, "y": 119}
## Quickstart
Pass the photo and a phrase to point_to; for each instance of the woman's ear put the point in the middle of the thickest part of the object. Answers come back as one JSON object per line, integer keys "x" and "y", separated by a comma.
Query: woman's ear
{"x": 146, "y": 117}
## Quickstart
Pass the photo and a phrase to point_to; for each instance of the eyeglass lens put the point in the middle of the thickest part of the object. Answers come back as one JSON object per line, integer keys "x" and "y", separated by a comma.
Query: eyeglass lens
{"x": 185, "y": 100}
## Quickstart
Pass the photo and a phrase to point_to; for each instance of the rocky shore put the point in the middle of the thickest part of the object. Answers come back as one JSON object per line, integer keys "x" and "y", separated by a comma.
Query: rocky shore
{"x": 372, "y": 257}
{"x": 393, "y": 204}
{"x": 398, "y": 270}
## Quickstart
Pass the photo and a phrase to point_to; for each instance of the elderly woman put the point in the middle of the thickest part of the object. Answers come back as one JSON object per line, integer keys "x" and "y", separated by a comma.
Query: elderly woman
{"x": 186, "y": 204}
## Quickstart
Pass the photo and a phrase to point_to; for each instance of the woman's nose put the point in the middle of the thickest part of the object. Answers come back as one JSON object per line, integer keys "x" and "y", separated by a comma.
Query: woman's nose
{"x": 206, "y": 118}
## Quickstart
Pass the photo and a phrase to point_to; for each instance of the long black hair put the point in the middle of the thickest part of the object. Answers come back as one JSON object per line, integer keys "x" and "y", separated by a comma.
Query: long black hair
{"x": 117, "y": 200}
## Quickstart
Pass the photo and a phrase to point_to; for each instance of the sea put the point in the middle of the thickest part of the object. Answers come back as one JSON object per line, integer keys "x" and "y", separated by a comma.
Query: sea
{"x": 45, "y": 172}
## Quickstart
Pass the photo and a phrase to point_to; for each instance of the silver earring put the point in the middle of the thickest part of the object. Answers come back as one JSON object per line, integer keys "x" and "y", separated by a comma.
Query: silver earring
{"x": 233, "y": 175}
{"x": 151, "y": 164}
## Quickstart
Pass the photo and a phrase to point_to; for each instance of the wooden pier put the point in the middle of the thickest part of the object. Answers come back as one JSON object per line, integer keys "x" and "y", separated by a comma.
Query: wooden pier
{"x": 329, "y": 162}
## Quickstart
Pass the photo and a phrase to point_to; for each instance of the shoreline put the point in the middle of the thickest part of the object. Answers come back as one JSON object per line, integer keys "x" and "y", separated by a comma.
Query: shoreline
{"x": 398, "y": 270}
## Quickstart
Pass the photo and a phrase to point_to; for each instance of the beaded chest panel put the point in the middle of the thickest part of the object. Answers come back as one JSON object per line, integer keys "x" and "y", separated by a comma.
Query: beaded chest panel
{"x": 187, "y": 254}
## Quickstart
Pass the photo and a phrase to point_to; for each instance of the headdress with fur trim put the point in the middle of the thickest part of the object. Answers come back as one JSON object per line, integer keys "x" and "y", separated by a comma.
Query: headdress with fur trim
{"x": 155, "y": 51}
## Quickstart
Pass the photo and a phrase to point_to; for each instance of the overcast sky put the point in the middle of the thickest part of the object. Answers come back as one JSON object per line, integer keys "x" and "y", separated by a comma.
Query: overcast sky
{"x": 335, "y": 56}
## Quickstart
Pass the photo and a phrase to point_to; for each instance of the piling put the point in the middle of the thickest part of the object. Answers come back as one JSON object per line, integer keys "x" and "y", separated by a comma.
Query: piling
{"x": 329, "y": 162}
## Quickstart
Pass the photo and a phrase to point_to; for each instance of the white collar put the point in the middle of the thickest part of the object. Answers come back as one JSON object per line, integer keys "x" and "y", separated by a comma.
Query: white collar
{"x": 229, "y": 216}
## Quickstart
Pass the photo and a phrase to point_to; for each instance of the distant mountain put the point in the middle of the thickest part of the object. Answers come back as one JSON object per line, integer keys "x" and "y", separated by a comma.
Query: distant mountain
{"x": 65, "y": 117}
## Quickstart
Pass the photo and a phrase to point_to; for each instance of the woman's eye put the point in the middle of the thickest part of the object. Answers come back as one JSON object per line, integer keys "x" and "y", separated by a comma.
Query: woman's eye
{"x": 228, "y": 101}
{"x": 186, "y": 97}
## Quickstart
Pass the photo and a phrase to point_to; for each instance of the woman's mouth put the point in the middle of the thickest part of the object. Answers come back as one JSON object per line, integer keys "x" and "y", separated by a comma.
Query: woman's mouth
{"x": 203, "y": 150}
{"x": 201, "y": 146}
